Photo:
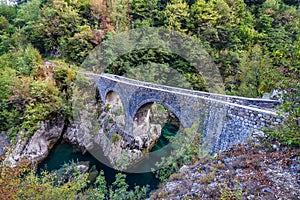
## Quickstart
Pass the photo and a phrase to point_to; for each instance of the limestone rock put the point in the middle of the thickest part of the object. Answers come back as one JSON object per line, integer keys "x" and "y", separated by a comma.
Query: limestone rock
{"x": 107, "y": 133}
{"x": 80, "y": 131}
{"x": 37, "y": 147}
{"x": 252, "y": 170}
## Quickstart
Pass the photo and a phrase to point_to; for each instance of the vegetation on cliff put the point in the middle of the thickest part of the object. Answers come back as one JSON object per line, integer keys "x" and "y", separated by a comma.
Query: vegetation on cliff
{"x": 262, "y": 168}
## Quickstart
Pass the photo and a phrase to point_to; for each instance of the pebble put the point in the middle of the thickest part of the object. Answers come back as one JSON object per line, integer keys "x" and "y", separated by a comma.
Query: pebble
{"x": 275, "y": 147}
{"x": 251, "y": 197}
{"x": 213, "y": 185}
{"x": 295, "y": 168}
{"x": 266, "y": 189}
{"x": 227, "y": 160}
{"x": 195, "y": 188}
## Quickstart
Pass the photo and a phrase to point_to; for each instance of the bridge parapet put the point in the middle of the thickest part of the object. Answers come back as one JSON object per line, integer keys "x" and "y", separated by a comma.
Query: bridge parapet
{"x": 252, "y": 102}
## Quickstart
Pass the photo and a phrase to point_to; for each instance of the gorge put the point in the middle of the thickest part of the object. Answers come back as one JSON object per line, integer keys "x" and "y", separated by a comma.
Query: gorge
{"x": 127, "y": 117}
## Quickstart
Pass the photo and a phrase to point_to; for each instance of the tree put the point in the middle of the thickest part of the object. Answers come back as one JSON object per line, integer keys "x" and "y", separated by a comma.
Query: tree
{"x": 101, "y": 186}
{"x": 144, "y": 13}
{"x": 78, "y": 46}
{"x": 6, "y": 30}
{"x": 292, "y": 2}
{"x": 176, "y": 15}
{"x": 252, "y": 66}
{"x": 119, "y": 14}
{"x": 118, "y": 191}
{"x": 203, "y": 17}
{"x": 9, "y": 115}
{"x": 8, "y": 11}
{"x": 58, "y": 20}
{"x": 28, "y": 14}
{"x": 22, "y": 183}
{"x": 213, "y": 21}
{"x": 23, "y": 60}
{"x": 59, "y": 31}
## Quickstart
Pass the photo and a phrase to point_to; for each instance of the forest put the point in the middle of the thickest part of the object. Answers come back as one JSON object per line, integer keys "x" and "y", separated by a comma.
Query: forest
{"x": 255, "y": 44}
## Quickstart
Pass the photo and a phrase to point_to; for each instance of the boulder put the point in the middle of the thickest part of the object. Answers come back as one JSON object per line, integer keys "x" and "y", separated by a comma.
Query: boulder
{"x": 36, "y": 148}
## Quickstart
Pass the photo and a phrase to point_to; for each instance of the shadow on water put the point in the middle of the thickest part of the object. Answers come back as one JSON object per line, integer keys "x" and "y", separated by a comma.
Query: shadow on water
{"x": 169, "y": 130}
{"x": 63, "y": 153}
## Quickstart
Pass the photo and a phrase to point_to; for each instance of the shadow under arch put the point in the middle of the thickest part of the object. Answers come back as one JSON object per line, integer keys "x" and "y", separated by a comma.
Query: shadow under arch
{"x": 143, "y": 111}
{"x": 114, "y": 105}
{"x": 152, "y": 118}
{"x": 111, "y": 97}
{"x": 169, "y": 101}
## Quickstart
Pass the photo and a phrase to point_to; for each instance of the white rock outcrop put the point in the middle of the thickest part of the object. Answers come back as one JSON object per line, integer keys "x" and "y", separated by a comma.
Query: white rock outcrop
{"x": 37, "y": 147}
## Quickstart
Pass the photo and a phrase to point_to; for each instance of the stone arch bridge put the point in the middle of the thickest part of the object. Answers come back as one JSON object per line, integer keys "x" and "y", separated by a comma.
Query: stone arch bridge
{"x": 226, "y": 120}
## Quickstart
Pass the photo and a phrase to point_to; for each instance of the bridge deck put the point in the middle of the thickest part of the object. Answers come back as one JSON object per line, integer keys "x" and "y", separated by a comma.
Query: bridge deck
{"x": 252, "y": 102}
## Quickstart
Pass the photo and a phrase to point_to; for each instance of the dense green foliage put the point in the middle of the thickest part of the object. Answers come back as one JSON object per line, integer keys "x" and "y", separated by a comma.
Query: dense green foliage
{"x": 22, "y": 183}
{"x": 31, "y": 91}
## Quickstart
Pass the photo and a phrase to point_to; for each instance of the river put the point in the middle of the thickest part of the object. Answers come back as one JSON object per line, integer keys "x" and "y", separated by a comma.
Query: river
{"x": 63, "y": 153}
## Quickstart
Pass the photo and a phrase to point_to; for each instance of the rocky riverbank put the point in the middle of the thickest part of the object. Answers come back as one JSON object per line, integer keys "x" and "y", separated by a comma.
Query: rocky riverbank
{"x": 37, "y": 147}
{"x": 105, "y": 132}
{"x": 260, "y": 169}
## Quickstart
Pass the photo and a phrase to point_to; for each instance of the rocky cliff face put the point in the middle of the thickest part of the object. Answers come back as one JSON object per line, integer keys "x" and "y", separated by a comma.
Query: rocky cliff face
{"x": 101, "y": 128}
{"x": 37, "y": 147}
{"x": 80, "y": 131}
{"x": 260, "y": 169}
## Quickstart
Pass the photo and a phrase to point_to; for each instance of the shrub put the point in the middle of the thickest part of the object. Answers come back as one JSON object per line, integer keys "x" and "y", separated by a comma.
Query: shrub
{"x": 22, "y": 183}
{"x": 184, "y": 152}
{"x": 115, "y": 138}
{"x": 289, "y": 131}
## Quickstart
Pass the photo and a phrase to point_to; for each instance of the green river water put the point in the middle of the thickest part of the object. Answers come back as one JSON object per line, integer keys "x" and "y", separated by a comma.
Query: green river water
{"x": 63, "y": 153}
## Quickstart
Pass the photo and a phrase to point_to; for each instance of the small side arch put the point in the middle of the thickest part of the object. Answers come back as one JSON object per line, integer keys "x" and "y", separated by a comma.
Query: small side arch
{"x": 112, "y": 97}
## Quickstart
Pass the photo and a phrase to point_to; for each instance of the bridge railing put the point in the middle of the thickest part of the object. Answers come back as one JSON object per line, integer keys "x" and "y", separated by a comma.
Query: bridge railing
{"x": 252, "y": 102}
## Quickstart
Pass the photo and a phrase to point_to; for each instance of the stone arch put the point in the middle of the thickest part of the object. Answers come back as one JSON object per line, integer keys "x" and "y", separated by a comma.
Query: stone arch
{"x": 147, "y": 105}
{"x": 143, "y": 96}
{"x": 149, "y": 121}
{"x": 148, "y": 102}
{"x": 148, "y": 111}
